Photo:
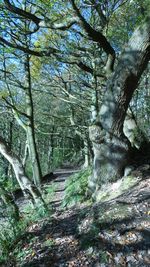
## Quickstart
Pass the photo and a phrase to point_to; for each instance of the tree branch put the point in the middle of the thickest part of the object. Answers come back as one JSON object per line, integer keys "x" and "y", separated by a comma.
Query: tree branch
{"x": 100, "y": 12}
{"x": 14, "y": 108}
{"x": 86, "y": 68}
{"x": 40, "y": 22}
{"x": 48, "y": 52}
{"x": 92, "y": 33}
{"x": 97, "y": 37}
{"x": 22, "y": 13}
{"x": 59, "y": 26}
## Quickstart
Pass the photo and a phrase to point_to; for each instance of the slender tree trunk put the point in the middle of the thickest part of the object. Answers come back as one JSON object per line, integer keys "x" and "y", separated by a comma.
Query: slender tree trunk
{"x": 86, "y": 141}
{"x": 8, "y": 168}
{"x": 86, "y": 155}
{"x": 50, "y": 154}
{"x": 26, "y": 154}
{"x": 37, "y": 174}
{"x": 29, "y": 126}
{"x": 24, "y": 182}
{"x": 111, "y": 147}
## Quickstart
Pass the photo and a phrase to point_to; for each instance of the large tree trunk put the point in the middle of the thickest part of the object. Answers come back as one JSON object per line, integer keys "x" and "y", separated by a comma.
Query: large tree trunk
{"x": 111, "y": 147}
{"x": 24, "y": 182}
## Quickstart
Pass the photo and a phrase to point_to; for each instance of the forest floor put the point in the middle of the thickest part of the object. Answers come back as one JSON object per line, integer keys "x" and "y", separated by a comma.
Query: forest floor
{"x": 83, "y": 236}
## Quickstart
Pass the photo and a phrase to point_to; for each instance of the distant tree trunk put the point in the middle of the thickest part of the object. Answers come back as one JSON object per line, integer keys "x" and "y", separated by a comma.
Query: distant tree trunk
{"x": 111, "y": 147}
{"x": 50, "y": 154}
{"x": 86, "y": 155}
{"x": 10, "y": 171}
{"x": 8, "y": 167}
{"x": 86, "y": 141}
{"x": 26, "y": 154}
{"x": 88, "y": 151}
{"x": 24, "y": 182}
{"x": 37, "y": 174}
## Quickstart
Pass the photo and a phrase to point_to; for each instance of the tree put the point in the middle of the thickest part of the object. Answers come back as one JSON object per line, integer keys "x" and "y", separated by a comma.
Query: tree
{"x": 111, "y": 147}
{"x": 25, "y": 184}
{"x": 30, "y": 128}
{"x": 24, "y": 119}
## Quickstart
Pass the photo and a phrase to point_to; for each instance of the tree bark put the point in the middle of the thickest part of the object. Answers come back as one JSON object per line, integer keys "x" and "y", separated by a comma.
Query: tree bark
{"x": 50, "y": 154}
{"x": 86, "y": 155}
{"x": 111, "y": 147}
{"x": 24, "y": 182}
{"x": 36, "y": 168}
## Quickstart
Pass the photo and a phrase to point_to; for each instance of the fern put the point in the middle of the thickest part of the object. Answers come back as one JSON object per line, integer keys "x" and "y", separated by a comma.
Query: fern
{"x": 76, "y": 188}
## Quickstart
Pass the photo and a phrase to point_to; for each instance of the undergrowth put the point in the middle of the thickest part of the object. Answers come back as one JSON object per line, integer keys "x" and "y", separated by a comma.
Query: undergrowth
{"x": 49, "y": 193}
{"x": 76, "y": 188}
{"x": 12, "y": 230}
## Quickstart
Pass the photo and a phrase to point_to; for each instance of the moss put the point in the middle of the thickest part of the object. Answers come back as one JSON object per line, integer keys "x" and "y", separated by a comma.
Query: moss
{"x": 117, "y": 213}
{"x": 111, "y": 191}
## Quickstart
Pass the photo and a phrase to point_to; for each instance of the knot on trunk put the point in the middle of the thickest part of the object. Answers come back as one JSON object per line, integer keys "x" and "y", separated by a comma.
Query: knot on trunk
{"x": 96, "y": 134}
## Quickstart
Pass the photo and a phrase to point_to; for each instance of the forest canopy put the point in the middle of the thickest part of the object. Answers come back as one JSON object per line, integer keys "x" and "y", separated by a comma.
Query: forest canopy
{"x": 67, "y": 68}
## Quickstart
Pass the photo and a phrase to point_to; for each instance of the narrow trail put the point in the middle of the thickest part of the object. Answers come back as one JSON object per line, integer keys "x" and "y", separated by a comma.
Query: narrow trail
{"x": 62, "y": 175}
{"x": 55, "y": 239}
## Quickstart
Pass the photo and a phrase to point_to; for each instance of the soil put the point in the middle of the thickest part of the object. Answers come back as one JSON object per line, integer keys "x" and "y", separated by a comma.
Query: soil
{"x": 83, "y": 235}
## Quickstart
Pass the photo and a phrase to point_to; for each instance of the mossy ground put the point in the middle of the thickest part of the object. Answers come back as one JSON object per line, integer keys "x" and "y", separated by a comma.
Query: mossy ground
{"x": 110, "y": 191}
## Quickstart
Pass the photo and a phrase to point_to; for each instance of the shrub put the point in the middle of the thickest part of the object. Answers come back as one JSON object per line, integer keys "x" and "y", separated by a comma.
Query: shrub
{"x": 10, "y": 231}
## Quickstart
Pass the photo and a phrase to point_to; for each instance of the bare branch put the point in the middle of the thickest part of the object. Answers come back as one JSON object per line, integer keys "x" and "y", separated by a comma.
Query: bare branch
{"x": 22, "y": 13}
{"x": 59, "y": 26}
{"x": 86, "y": 68}
{"x": 98, "y": 8}
{"x": 47, "y": 52}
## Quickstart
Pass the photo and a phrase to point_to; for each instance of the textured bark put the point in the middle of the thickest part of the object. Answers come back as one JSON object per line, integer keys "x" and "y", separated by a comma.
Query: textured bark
{"x": 30, "y": 128}
{"x": 132, "y": 131}
{"x": 36, "y": 169}
{"x": 111, "y": 147}
{"x": 24, "y": 182}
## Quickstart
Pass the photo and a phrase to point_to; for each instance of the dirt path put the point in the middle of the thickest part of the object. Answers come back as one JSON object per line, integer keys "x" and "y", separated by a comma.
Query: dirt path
{"x": 55, "y": 242}
{"x": 62, "y": 176}
{"x": 70, "y": 237}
